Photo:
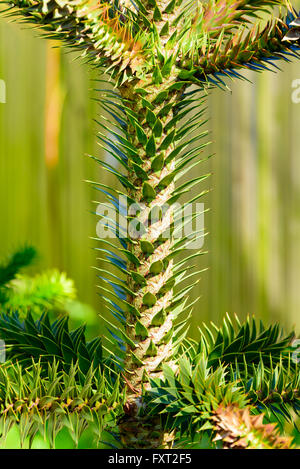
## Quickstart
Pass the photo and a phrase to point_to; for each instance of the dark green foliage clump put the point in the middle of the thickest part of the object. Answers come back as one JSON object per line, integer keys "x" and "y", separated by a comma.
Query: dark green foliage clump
{"x": 17, "y": 261}
{"x": 9, "y": 269}
{"x": 249, "y": 342}
{"x": 269, "y": 382}
{"x": 44, "y": 341}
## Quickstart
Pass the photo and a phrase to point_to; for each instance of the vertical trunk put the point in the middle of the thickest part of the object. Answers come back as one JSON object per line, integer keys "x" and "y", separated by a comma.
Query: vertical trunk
{"x": 150, "y": 323}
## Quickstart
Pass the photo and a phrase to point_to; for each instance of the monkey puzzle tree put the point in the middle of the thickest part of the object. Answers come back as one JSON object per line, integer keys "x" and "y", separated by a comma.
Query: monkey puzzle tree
{"x": 153, "y": 51}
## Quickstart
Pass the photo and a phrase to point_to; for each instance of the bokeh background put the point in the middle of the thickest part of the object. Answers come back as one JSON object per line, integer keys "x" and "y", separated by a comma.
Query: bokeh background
{"x": 46, "y": 128}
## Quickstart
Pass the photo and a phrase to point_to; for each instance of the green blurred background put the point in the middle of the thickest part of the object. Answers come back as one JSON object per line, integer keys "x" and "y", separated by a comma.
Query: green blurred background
{"x": 46, "y": 128}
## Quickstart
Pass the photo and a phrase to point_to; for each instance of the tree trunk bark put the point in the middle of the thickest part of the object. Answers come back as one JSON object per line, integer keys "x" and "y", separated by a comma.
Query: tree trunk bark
{"x": 149, "y": 324}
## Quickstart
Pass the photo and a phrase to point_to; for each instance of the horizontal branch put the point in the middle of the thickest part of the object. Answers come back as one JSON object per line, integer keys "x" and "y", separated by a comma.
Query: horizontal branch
{"x": 102, "y": 33}
{"x": 258, "y": 50}
{"x": 36, "y": 403}
{"x": 223, "y": 15}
